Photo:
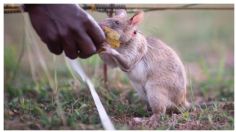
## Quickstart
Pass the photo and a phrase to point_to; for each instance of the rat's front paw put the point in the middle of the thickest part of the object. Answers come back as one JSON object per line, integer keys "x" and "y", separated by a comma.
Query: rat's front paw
{"x": 106, "y": 49}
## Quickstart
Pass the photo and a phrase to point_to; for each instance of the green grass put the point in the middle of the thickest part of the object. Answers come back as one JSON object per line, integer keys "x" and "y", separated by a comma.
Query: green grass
{"x": 203, "y": 39}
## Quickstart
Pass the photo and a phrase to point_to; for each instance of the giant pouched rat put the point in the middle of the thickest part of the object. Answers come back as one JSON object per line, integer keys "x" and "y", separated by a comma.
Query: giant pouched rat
{"x": 153, "y": 68}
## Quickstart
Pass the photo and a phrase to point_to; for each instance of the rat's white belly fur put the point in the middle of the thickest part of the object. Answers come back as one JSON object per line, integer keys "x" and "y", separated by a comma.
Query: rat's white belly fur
{"x": 138, "y": 78}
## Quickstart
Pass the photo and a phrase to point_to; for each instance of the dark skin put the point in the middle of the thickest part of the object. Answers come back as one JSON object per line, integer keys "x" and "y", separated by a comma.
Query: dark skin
{"x": 65, "y": 27}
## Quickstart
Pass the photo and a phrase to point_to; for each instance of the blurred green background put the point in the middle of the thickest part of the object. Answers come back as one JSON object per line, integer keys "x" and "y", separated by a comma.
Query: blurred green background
{"x": 204, "y": 40}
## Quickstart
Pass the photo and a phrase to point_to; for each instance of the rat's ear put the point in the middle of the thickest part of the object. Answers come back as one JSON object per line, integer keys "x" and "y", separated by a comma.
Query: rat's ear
{"x": 137, "y": 18}
{"x": 120, "y": 13}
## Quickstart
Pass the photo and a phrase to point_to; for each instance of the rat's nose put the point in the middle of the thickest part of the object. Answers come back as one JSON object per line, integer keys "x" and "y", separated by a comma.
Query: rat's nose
{"x": 103, "y": 24}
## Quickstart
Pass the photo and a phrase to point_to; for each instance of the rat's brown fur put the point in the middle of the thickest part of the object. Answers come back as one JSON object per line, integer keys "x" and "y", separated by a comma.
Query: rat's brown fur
{"x": 154, "y": 69}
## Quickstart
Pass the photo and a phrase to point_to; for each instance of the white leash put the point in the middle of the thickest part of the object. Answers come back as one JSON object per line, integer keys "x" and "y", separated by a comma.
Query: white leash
{"x": 106, "y": 121}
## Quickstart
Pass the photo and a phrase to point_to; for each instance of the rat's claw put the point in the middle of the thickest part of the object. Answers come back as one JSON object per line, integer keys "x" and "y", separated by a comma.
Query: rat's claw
{"x": 101, "y": 50}
{"x": 104, "y": 47}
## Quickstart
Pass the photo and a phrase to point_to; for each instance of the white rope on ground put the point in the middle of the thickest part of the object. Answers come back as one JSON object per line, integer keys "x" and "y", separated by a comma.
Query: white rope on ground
{"x": 106, "y": 121}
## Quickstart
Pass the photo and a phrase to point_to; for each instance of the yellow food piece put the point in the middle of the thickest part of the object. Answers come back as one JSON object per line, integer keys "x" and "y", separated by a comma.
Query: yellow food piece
{"x": 112, "y": 37}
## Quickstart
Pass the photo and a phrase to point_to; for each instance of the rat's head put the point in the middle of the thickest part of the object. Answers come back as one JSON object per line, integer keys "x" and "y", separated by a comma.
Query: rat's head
{"x": 122, "y": 24}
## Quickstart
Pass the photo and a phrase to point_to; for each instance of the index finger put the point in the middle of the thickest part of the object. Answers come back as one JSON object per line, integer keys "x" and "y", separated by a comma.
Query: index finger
{"x": 95, "y": 32}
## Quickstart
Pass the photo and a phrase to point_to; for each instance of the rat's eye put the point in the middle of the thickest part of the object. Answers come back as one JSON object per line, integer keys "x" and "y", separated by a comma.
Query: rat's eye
{"x": 117, "y": 22}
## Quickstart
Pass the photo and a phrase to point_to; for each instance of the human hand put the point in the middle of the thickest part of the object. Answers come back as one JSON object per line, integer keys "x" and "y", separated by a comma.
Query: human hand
{"x": 66, "y": 27}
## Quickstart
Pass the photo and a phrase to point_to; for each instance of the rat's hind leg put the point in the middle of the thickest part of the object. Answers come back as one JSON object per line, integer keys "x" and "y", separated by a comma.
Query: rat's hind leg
{"x": 158, "y": 100}
{"x": 185, "y": 106}
{"x": 182, "y": 104}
